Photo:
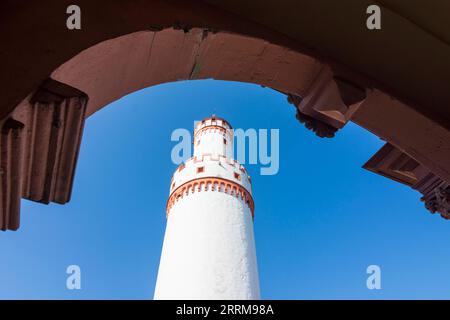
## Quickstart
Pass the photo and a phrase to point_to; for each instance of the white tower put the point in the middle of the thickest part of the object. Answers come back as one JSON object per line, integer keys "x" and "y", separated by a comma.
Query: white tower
{"x": 209, "y": 247}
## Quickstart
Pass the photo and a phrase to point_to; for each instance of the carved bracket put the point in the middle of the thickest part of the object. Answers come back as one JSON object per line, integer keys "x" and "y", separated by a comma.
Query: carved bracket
{"x": 328, "y": 104}
{"x": 397, "y": 165}
{"x": 11, "y": 158}
{"x": 39, "y": 149}
{"x": 439, "y": 201}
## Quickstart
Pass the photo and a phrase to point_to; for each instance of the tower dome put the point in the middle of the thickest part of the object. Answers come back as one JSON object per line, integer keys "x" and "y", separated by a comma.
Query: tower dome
{"x": 209, "y": 248}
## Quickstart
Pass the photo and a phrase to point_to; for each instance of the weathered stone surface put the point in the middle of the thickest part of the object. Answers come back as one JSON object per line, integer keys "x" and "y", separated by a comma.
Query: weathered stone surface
{"x": 39, "y": 149}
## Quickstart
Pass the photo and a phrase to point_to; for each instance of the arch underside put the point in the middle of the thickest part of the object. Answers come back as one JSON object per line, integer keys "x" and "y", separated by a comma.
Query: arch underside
{"x": 41, "y": 136}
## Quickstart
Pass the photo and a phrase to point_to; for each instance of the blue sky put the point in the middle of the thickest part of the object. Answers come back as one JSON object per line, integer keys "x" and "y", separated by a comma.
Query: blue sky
{"x": 318, "y": 223}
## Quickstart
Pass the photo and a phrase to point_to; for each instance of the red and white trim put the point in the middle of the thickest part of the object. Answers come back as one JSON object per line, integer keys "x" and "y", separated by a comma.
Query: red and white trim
{"x": 206, "y": 184}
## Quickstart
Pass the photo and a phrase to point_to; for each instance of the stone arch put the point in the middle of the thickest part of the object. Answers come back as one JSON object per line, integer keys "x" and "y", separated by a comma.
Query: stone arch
{"x": 119, "y": 66}
{"x": 113, "y": 68}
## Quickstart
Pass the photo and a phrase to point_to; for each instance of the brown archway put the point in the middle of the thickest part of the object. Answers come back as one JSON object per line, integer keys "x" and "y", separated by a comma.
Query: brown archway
{"x": 41, "y": 134}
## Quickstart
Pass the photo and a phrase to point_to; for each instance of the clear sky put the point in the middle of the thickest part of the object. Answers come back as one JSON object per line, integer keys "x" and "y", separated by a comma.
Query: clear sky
{"x": 318, "y": 224}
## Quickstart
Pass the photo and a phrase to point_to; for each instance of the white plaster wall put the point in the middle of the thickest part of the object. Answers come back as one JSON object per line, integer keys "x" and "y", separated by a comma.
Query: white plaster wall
{"x": 209, "y": 250}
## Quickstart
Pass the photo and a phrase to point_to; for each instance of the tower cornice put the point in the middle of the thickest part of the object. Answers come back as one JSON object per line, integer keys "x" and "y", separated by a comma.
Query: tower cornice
{"x": 210, "y": 184}
{"x": 211, "y": 127}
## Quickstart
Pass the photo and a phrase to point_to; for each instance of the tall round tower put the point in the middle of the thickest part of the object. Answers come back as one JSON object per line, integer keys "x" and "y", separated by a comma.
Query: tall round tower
{"x": 209, "y": 247}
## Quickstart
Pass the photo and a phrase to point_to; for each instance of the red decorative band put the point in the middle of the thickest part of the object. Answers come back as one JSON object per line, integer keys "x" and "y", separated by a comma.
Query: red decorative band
{"x": 210, "y": 184}
{"x": 210, "y": 127}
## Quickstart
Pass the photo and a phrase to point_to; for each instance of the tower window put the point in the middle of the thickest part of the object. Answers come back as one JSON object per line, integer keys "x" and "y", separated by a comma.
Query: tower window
{"x": 237, "y": 176}
{"x": 200, "y": 169}
{"x": 224, "y": 141}
{"x": 198, "y": 141}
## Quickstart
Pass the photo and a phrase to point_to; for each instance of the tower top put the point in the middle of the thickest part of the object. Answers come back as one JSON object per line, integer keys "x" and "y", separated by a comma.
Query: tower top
{"x": 212, "y": 166}
{"x": 212, "y": 121}
{"x": 214, "y": 136}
